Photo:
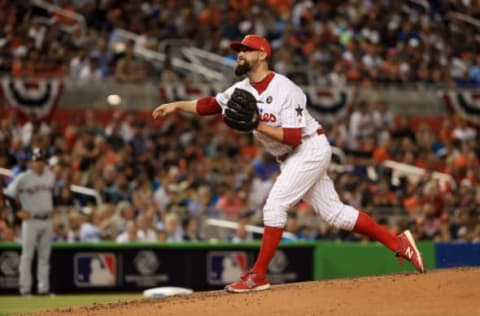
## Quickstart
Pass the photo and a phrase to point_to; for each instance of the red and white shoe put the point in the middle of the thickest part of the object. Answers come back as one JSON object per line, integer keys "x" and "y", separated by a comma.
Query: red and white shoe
{"x": 250, "y": 282}
{"x": 408, "y": 250}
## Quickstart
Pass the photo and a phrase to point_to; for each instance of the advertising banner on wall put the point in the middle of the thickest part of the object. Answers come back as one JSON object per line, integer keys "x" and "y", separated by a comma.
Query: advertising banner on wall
{"x": 114, "y": 269}
{"x": 9, "y": 274}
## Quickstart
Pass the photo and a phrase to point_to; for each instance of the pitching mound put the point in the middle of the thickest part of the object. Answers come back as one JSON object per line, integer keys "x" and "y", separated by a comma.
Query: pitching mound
{"x": 440, "y": 292}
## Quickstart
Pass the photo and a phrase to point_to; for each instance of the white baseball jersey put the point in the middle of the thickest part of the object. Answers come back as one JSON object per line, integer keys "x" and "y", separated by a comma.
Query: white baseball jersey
{"x": 304, "y": 173}
{"x": 34, "y": 191}
{"x": 283, "y": 104}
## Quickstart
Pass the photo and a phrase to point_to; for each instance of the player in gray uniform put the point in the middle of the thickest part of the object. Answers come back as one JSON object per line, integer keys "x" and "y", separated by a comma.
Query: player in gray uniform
{"x": 34, "y": 191}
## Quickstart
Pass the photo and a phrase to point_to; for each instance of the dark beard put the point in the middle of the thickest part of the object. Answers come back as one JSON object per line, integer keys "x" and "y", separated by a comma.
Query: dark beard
{"x": 242, "y": 69}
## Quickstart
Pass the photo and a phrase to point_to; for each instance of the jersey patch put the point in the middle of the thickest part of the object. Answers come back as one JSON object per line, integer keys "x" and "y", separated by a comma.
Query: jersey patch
{"x": 299, "y": 110}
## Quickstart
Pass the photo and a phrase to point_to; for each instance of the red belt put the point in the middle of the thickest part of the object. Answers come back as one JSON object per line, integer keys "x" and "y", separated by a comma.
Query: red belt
{"x": 283, "y": 157}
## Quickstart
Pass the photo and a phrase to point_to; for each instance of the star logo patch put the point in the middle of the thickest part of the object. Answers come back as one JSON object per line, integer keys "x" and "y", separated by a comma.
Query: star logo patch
{"x": 299, "y": 110}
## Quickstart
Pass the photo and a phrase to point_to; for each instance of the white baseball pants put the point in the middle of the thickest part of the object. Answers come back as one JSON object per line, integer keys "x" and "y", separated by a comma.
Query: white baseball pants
{"x": 304, "y": 176}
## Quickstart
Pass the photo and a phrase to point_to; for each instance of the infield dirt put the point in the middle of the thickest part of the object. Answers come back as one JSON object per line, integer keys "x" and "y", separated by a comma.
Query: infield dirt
{"x": 439, "y": 292}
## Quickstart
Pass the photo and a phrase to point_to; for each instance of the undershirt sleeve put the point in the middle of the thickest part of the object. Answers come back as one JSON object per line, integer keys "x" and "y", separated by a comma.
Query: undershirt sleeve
{"x": 292, "y": 136}
{"x": 208, "y": 106}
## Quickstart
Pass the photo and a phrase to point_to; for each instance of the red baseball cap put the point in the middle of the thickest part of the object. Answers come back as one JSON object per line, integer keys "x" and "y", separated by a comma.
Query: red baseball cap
{"x": 252, "y": 41}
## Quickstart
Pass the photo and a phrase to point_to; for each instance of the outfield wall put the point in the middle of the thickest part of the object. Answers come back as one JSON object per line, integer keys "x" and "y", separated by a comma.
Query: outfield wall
{"x": 112, "y": 267}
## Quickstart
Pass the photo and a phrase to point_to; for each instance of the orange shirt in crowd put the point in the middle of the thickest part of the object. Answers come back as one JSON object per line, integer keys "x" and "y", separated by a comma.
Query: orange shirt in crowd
{"x": 60, "y": 18}
{"x": 240, "y": 4}
{"x": 210, "y": 16}
{"x": 249, "y": 151}
{"x": 380, "y": 154}
{"x": 230, "y": 207}
{"x": 282, "y": 6}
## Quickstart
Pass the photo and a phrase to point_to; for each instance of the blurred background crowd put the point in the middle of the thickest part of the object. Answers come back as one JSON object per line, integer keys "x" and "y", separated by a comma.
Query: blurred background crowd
{"x": 165, "y": 182}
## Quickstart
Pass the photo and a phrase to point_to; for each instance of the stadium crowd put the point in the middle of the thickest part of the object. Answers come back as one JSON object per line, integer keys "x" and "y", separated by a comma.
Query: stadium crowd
{"x": 319, "y": 42}
{"x": 162, "y": 183}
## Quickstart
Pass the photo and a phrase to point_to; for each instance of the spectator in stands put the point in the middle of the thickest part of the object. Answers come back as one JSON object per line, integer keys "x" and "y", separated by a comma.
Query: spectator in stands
{"x": 128, "y": 68}
{"x": 361, "y": 125}
{"x": 104, "y": 56}
{"x": 307, "y": 231}
{"x": 462, "y": 131}
{"x": 464, "y": 227}
{"x": 37, "y": 32}
{"x": 90, "y": 72}
{"x": 230, "y": 204}
{"x": 74, "y": 222}
{"x": 124, "y": 213}
{"x": 90, "y": 230}
{"x": 201, "y": 205}
{"x": 34, "y": 127}
{"x": 241, "y": 234}
{"x": 173, "y": 229}
{"x": 5, "y": 223}
{"x": 79, "y": 62}
{"x": 145, "y": 231}
{"x": 129, "y": 235}
{"x": 292, "y": 225}
{"x": 191, "y": 229}
{"x": 118, "y": 189}
{"x": 59, "y": 230}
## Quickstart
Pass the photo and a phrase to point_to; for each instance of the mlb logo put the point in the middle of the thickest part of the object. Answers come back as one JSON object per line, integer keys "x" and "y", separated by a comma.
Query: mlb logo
{"x": 95, "y": 269}
{"x": 225, "y": 267}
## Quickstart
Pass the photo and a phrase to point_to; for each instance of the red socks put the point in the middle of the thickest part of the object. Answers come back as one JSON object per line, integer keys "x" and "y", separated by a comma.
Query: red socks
{"x": 366, "y": 226}
{"x": 271, "y": 238}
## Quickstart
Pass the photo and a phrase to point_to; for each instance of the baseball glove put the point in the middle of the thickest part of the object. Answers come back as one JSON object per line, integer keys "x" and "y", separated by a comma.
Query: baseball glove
{"x": 241, "y": 113}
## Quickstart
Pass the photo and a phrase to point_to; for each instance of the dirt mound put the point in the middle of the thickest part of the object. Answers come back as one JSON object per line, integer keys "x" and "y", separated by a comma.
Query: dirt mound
{"x": 439, "y": 292}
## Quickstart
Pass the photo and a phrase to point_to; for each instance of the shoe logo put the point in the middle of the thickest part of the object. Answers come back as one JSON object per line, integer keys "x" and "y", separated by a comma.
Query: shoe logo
{"x": 409, "y": 253}
{"x": 250, "y": 283}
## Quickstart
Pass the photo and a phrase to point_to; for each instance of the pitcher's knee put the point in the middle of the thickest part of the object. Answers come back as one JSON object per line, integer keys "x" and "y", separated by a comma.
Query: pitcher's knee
{"x": 274, "y": 218}
{"x": 343, "y": 218}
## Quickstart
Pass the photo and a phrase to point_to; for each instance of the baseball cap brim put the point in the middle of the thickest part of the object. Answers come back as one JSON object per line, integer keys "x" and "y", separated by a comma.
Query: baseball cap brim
{"x": 237, "y": 46}
{"x": 38, "y": 158}
{"x": 253, "y": 42}
{"x": 37, "y": 155}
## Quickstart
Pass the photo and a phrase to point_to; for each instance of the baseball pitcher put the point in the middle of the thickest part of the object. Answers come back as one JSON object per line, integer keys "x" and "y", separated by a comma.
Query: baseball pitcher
{"x": 275, "y": 110}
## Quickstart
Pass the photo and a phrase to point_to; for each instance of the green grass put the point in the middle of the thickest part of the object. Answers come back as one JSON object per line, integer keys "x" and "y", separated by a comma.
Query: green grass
{"x": 10, "y": 305}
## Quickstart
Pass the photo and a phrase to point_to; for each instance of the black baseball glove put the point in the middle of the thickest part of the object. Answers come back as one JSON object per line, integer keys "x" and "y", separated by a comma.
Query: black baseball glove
{"x": 241, "y": 113}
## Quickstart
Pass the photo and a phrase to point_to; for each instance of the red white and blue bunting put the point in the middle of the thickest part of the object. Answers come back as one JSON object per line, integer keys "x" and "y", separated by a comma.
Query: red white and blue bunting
{"x": 464, "y": 102}
{"x": 323, "y": 101}
{"x": 33, "y": 98}
{"x": 329, "y": 101}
